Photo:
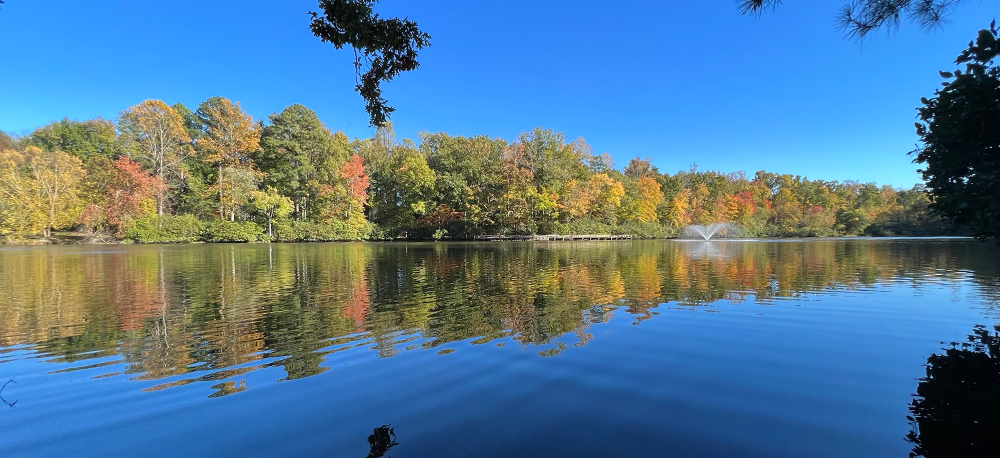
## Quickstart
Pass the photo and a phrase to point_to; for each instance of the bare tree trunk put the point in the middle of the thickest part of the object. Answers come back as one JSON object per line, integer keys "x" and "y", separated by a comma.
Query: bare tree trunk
{"x": 218, "y": 182}
{"x": 52, "y": 217}
{"x": 159, "y": 193}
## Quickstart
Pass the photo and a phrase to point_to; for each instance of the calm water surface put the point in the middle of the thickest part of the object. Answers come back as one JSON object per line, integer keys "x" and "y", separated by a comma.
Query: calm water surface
{"x": 659, "y": 348}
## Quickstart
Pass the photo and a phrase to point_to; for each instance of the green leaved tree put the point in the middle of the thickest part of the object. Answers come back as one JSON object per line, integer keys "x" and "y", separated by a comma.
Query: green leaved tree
{"x": 961, "y": 140}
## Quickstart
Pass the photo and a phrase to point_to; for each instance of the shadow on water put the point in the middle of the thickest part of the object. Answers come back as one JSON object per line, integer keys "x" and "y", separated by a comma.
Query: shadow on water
{"x": 381, "y": 440}
{"x": 956, "y": 410}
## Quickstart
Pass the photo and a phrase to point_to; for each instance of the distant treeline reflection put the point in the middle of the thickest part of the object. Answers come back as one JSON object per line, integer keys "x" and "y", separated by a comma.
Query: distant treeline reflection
{"x": 210, "y": 313}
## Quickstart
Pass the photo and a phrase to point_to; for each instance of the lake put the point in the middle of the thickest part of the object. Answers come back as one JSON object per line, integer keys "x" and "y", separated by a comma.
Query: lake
{"x": 777, "y": 348}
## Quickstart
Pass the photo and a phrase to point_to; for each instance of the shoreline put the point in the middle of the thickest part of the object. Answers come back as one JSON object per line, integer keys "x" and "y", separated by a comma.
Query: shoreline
{"x": 552, "y": 238}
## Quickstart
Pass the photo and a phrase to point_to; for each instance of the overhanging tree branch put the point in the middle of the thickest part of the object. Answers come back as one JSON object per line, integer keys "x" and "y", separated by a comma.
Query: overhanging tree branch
{"x": 858, "y": 18}
{"x": 383, "y": 47}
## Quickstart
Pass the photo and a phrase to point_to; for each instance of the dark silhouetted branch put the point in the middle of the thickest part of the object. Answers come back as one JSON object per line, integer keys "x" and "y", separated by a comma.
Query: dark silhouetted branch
{"x": 858, "y": 18}
{"x": 383, "y": 48}
{"x": 11, "y": 404}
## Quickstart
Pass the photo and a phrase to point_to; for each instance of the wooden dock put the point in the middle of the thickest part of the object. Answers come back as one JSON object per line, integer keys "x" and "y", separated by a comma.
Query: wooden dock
{"x": 550, "y": 237}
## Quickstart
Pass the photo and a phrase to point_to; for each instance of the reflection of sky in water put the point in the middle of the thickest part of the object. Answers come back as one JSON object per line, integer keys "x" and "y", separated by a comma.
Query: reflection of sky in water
{"x": 718, "y": 348}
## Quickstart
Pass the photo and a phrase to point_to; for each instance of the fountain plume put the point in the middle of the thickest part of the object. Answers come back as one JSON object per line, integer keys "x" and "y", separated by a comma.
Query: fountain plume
{"x": 708, "y": 231}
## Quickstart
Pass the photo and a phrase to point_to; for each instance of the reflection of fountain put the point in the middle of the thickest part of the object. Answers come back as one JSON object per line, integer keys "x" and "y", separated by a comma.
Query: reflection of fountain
{"x": 701, "y": 249}
{"x": 708, "y": 231}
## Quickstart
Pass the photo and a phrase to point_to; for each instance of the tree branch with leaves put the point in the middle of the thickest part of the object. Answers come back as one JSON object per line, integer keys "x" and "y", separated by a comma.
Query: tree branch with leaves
{"x": 858, "y": 18}
{"x": 383, "y": 48}
{"x": 961, "y": 143}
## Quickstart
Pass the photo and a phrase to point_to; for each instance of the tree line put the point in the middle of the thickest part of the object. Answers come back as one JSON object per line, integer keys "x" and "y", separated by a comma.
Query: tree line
{"x": 166, "y": 173}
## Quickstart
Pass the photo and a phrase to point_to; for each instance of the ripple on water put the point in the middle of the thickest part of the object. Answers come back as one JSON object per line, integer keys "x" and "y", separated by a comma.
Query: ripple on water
{"x": 781, "y": 348}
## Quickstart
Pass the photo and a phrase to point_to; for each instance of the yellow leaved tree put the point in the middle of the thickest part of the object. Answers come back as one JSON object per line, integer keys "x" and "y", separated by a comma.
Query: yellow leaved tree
{"x": 231, "y": 135}
{"x": 608, "y": 195}
{"x": 650, "y": 197}
{"x": 39, "y": 191}
{"x": 678, "y": 210}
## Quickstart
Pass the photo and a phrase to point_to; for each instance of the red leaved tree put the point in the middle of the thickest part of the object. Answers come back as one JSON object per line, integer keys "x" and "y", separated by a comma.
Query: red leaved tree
{"x": 132, "y": 193}
{"x": 354, "y": 176}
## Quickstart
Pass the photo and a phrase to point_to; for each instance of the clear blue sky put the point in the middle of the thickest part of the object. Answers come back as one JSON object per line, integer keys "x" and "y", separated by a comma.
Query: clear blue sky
{"x": 679, "y": 81}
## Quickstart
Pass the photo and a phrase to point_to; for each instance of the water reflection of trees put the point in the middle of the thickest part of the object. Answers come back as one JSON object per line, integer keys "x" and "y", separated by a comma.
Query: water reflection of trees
{"x": 957, "y": 407}
{"x": 204, "y": 313}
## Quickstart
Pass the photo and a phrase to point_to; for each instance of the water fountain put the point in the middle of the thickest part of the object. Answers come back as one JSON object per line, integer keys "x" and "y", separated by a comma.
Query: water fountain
{"x": 708, "y": 231}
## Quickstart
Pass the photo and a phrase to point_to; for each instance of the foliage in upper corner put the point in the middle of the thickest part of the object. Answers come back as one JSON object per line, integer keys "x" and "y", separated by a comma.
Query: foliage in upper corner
{"x": 387, "y": 46}
{"x": 858, "y": 18}
{"x": 961, "y": 141}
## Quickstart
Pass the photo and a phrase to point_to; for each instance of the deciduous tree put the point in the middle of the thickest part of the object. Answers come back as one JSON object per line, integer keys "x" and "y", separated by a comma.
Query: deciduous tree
{"x": 271, "y": 206}
{"x": 961, "y": 141}
{"x": 678, "y": 213}
{"x": 387, "y": 47}
{"x": 39, "y": 190}
{"x": 356, "y": 180}
{"x": 236, "y": 189}
{"x": 608, "y": 195}
{"x": 297, "y": 149}
{"x": 95, "y": 137}
{"x": 154, "y": 134}
{"x": 131, "y": 194}
{"x": 230, "y": 137}
{"x": 649, "y": 198}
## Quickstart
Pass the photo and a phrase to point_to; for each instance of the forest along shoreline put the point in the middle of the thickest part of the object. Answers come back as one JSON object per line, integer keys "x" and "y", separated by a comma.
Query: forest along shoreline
{"x": 164, "y": 173}
{"x": 69, "y": 239}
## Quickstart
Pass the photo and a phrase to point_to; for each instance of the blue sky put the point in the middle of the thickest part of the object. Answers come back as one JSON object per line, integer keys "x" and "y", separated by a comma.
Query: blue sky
{"x": 680, "y": 82}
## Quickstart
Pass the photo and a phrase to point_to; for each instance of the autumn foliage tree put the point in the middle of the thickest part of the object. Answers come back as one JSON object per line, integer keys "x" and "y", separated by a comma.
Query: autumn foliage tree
{"x": 216, "y": 174}
{"x": 133, "y": 193}
{"x": 356, "y": 183}
{"x": 649, "y": 199}
{"x": 230, "y": 137}
{"x": 39, "y": 191}
{"x": 154, "y": 134}
{"x": 230, "y": 134}
{"x": 236, "y": 188}
{"x": 678, "y": 213}
{"x": 271, "y": 205}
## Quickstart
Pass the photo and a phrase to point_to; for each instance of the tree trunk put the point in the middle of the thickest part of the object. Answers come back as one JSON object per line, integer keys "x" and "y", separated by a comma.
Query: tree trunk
{"x": 52, "y": 217}
{"x": 159, "y": 193}
{"x": 218, "y": 182}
